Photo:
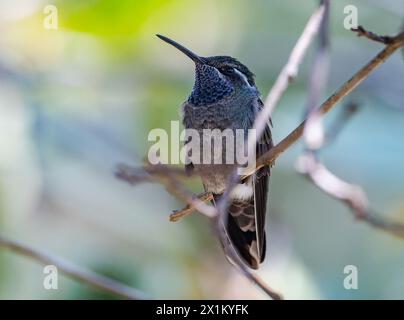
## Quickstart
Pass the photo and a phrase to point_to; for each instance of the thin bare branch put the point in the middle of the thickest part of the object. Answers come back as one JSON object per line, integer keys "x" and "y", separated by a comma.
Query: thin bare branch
{"x": 325, "y": 180}
{"x": 188, "y": 209}
{"x": 350, "y": 194}
{"x": 309, "y": 164}
{"x": 168, "y": 177}
{"x": 362, "y": 32}
{"x": 235, "y": 260}
{"x": 74, "y": 271}
{"x": 317, "y": 82}
{"x": 270, "y": 156}
{"x": 287, "y": 74}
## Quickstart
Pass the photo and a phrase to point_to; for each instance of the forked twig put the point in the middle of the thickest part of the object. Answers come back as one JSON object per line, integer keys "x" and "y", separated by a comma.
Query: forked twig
{"x": 362, "y": 32}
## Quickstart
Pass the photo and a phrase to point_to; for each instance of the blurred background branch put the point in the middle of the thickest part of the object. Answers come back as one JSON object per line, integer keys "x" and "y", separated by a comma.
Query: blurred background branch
{"x": 341, "y": 93}
{"x": 74, "y": 271}
{"x": 315, "y": 137}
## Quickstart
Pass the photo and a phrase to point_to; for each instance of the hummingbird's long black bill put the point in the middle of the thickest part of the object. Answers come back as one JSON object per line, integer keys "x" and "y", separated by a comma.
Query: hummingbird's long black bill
{"x": 189, "y": 53}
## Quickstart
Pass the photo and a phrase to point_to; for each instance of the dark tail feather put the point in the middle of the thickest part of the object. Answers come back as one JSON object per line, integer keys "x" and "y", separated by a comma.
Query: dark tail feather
{"x": 241, "y": 229}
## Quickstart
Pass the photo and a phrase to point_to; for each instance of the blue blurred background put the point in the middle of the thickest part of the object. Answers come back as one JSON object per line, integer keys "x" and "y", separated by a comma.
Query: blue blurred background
{"x": 76, "y": 101}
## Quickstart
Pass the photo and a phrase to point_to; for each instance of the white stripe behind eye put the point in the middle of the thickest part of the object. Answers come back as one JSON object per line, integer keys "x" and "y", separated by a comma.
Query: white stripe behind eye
{"x": 242, "y": 75}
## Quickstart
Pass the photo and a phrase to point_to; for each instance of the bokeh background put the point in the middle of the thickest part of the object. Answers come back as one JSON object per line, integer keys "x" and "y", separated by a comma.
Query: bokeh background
{"x": 76, "y": 101}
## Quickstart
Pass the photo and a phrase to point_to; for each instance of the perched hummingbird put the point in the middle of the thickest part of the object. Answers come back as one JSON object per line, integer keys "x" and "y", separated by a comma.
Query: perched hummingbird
{"x": 225, "y": 96}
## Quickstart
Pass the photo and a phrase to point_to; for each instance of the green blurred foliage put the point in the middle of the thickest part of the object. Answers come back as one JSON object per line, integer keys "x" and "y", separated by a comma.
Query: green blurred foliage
{"x": 107, "y": 17}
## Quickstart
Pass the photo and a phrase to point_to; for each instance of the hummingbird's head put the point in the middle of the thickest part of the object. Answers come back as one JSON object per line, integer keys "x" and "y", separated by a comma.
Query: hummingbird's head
{"x": 216, "y": 77}
{"x": 233, "y": 69}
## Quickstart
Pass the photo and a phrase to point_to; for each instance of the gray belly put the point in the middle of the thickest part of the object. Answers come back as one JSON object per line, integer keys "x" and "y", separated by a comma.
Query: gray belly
{"x": 215, "y": 177}
{"x": 215, "y": 173}
{"x": 218, "y": 160}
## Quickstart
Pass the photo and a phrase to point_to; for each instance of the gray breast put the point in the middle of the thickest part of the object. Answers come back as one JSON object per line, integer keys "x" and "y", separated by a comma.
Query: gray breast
{"x": 231, "y": 113}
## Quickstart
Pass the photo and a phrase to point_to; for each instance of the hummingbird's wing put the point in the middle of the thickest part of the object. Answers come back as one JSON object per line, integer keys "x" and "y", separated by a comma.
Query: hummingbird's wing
{"x": 261, "y": 185}
{"x": 246, "y": 219}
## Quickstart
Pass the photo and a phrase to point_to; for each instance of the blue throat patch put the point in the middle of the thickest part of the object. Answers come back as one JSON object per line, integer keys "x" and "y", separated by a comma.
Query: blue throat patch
{"x": 209, "y": 87}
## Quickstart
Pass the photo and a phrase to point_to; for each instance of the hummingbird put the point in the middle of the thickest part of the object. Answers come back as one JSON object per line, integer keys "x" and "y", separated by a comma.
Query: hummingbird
{"x": 225, "y": 96}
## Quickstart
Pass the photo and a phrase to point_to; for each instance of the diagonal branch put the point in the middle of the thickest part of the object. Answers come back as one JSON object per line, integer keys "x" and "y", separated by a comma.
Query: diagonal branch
{"x": 169, "y": 179}
{"x": 346, "y": 88}
{"x": 188, "y": 209}
{"x": 236, "y": 261}
{"x": 287, "y": 74}
{"x": 309, "y": 164}
{"x": 73, "y": 271}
